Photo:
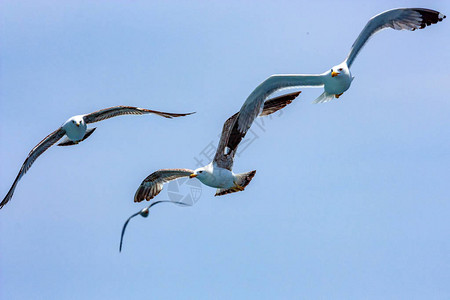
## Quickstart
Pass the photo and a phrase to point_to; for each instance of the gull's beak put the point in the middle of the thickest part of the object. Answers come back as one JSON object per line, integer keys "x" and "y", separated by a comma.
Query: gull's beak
{"x": 192, "y": 175}
{"x": 334, "y": 74}
{"x": 78, "y": 124}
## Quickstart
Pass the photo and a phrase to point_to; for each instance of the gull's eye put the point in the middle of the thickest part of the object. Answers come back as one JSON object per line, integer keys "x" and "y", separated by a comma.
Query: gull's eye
{"x": 200, "y": 171}
{"x": 332, "y": 70}
{"x": 340, "y": 69}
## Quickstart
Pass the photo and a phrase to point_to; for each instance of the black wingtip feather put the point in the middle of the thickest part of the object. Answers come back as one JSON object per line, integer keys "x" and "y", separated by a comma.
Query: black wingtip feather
{"x": 6, "y": 199}
{"x": 429, "y": 16}
{"x": 175, "y": 115}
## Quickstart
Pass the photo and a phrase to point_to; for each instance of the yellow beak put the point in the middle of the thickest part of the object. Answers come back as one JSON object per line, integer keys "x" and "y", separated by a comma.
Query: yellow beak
{"x": 192, "y": 175}
{"x": 334, "y": 74}
{"x": 78, "y": 124}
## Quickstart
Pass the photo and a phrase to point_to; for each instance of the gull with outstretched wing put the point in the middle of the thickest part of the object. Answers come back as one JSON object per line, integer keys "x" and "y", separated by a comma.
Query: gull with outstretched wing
{"x": 218, "y": 173}
{"x": 338, "y": 79}
{"x": 75, "y": 131}
{"x": 144, "y": 213}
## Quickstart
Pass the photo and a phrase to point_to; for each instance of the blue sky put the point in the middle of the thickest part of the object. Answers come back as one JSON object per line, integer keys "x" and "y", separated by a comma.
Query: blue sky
{"x": 350, "y": 199}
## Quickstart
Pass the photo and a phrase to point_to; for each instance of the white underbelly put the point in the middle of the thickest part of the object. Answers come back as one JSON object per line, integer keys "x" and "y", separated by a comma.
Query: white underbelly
{"x": 75, "y": 133}
{"x": 221, "y": 179}
{"x": 337, "y": 85}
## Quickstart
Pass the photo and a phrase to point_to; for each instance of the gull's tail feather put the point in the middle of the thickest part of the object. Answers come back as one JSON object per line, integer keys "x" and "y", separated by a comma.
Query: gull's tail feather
{"x": 10, "y": 194}
{"x": 325, "y": 97}
{"x": 242, "y": 180}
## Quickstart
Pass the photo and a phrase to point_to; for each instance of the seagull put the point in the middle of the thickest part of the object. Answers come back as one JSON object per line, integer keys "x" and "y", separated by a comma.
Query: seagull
{"x": 336, "y": 80}
{"x": 144, "y": 213}
{"x": 75, "y": 131}
{"x": 218, "y": 173}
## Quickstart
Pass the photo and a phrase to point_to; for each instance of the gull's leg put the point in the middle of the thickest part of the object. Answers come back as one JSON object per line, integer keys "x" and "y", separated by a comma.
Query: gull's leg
{"x": 338, "y": 95}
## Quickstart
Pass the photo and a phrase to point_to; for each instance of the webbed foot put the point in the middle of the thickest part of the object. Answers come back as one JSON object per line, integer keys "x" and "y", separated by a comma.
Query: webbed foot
{"x": 237, "y": 187}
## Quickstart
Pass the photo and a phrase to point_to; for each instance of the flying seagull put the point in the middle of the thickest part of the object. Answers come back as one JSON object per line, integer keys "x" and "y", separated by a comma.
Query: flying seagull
{"x": 336, "y": 80}
{"x": 144, "y": 213}
{"x": 218, "y": 173}
{"x": 75, "y": 129}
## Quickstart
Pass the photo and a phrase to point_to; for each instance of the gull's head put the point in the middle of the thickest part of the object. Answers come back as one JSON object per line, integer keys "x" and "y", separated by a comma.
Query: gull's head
{"x": 339, "y": 70}
{"x": 75, "y": 121}
{"x": 201, "y": 173}
{"x": 144, "y": 212}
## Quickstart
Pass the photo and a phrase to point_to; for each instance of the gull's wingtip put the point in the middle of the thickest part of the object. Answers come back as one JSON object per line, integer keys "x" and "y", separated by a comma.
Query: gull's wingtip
{"x": 172, "y": 115}
{"x": 429, "y": 16}
{"x": 7, "y": 197}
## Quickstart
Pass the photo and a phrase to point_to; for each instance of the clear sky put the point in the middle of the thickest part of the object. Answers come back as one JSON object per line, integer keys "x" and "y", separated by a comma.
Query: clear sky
{"x": 350, "y": 200}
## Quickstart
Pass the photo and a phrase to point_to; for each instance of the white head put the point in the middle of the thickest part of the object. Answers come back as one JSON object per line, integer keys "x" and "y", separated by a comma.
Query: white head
{"x": 206, "y": 175}
{"x": 202, "y": 173}
{"x": 339, "y": 70}
{"x": 76, "y": 121}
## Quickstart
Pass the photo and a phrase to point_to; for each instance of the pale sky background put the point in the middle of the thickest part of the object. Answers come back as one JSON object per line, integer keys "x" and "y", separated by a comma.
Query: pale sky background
{"x": 351, "y": 198}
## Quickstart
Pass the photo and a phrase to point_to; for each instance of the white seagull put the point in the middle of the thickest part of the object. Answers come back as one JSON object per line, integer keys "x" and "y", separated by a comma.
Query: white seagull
{"x": 75, "y": 129}
{"x": 336, "y": 80}
{"x": 218, "y": 173}
{"x": 144, "y": 213}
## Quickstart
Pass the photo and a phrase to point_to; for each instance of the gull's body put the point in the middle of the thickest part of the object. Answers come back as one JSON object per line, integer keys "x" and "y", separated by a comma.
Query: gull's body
{"x": 337, "y": 85}
{"x": 75, "y": 130}
{"x": 337, "y": 79}
{"x": 216, "y": 177}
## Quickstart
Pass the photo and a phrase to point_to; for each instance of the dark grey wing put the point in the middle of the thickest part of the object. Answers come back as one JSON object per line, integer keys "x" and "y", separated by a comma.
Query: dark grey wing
{"x": 231, "y": 136}
{"x": 398, "y": 19}
{"x": 40, "y": 148}
{"x": 115, "y": 111}
{"x": 222, "y": 159}
{"x": 153, "y": 184}
{"x": 125, "y": 227}
{"x": 275, "y": 104}
{"x": 144, "y": 212}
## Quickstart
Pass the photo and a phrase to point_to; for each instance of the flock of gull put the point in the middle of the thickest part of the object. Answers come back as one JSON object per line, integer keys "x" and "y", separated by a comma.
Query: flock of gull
{"x": 219, "y": 174}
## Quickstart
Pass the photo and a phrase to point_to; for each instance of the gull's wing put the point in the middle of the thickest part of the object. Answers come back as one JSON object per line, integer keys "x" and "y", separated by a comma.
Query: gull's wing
{"x": 144, "y": 212}
{"x": 115, "y": 111}
{"x": 253, "y": 105}
{"x": 221, "y": 159}
{"x": 153, "y": 184}
{"x": 125, "y": 227}
{"x": 40, "y": 148}
{"x": 398, "y": 19}
{"x": 275, "y": 104}
{"x": 231, "y": 136}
